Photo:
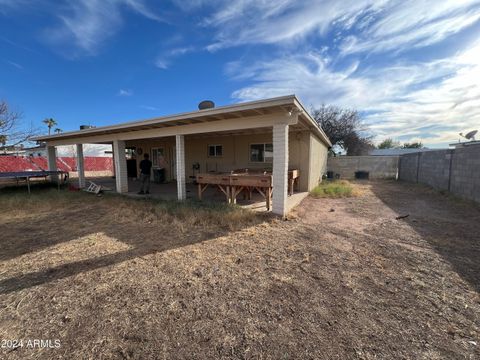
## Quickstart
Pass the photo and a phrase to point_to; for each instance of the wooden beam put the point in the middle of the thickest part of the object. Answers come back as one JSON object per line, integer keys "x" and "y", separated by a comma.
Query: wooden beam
{"x": 253, "y": 122}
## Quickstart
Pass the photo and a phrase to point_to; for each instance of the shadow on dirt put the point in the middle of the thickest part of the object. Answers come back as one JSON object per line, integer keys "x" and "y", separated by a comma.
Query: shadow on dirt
{"x": 449, "y": 225}
{"x": 147, "y": 227}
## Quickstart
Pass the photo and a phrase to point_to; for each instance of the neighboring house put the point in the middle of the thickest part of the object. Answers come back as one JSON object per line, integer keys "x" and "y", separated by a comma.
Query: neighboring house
{"x": 93, "y": 150}
{"x": 274, "y": 134}
{"x": 39, "y": 150}
{"x": 12, "y": 150}
{"x": 464, "y": 144}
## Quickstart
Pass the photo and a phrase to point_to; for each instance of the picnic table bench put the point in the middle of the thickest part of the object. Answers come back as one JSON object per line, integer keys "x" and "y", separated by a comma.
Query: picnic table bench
{"x": 242, "y": 180}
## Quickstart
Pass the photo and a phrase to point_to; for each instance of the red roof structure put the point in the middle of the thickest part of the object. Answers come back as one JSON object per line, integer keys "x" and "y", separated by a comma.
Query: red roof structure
{"x": 35, "y": 163}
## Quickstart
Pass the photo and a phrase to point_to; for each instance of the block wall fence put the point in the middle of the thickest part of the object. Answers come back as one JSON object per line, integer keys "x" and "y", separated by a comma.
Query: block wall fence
{"x": 454, "y": 170}
{"x": 379, "y": 167}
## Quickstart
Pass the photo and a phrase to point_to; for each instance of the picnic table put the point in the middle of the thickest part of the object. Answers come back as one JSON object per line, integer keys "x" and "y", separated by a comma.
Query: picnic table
{"x": 243, "y": 180}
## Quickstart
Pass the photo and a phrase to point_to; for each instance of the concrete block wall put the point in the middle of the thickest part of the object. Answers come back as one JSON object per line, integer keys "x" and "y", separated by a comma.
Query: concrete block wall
{"x": 457, "y": 171}
{"x": 434, "y": 168}
{"x": 465, "y": 173}
{"x": 379, "y": 167}
{"x": 408, "y": 167}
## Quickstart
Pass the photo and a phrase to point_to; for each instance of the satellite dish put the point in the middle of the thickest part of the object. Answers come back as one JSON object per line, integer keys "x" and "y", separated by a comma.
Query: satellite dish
{"x": 206, "y": 104}
{"x": 470, "y": 135}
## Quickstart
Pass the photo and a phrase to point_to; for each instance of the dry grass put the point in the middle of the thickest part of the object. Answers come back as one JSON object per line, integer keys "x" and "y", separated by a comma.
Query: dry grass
{"x": 183, "y": 216}
{"x": 113, "y": 277}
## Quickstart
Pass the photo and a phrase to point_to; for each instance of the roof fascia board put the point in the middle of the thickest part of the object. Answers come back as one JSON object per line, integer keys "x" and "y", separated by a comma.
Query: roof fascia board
{"x": 280, "y": 101}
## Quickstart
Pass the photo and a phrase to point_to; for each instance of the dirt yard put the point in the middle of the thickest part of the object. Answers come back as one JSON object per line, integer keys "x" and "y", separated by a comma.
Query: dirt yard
{"x": 112, "y": 278}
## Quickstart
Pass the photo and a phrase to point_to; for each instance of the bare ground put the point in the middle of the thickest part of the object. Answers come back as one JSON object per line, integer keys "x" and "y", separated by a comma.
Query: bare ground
{"x": 341, "y": 279}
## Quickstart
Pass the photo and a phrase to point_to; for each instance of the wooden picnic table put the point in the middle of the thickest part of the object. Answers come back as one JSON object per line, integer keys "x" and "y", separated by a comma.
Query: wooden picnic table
{"x": 242, "y": 180}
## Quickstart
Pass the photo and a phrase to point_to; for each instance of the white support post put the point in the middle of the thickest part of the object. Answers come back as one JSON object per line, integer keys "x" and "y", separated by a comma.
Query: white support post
{"x": 52, "y": 161}
{"x": 80, "y": 167}
{"x": 180, "y": 156}
{"x": 121, "y": 177}
{"x": 280, "y": 168}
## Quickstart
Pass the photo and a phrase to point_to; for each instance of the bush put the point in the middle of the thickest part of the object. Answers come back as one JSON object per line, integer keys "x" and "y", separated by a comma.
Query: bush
{"x": 333, "y": 189}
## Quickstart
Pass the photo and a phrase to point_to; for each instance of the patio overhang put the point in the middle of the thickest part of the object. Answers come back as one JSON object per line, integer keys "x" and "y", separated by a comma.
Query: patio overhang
{"x": 250, "y": 115}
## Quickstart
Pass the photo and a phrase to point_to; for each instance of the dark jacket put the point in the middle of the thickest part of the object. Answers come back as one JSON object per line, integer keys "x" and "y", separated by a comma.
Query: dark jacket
{"x": 145, "y": 167}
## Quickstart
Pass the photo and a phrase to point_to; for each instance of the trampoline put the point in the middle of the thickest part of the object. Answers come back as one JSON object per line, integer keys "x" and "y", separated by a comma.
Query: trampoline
{"x": 27, "y": 175}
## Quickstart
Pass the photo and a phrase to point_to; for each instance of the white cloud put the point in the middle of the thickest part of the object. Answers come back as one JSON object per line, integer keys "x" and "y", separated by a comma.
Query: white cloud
{"x": 164, "y": 60}
{"x": 86, "y": 24}
{"x": 14, "y": 64}
{"x": 273, "y": 22}
{"x": 435, "y": 100}
{"x": 125, "y": 92}
{"x": 379, "y": 25}
{"x": 161, "y": 63}
{"x": 412, "y": 25}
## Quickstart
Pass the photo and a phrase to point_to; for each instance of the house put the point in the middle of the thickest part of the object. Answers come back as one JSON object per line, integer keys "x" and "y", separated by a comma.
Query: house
{"x": 276, "y": 134}
{"x": 464, "y": 144}
{"x": 12, "y": 150}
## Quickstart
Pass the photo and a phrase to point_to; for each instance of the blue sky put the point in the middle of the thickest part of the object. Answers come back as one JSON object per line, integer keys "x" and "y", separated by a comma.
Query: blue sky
{"x": 411, "y": 67}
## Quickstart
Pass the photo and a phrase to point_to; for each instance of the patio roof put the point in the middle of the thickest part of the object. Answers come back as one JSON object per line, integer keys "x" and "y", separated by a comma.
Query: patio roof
{"x": 285, "y": 104}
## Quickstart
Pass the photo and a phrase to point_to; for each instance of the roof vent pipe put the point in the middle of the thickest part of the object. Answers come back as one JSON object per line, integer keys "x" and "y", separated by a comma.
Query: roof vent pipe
{"x": 206, "y": 104}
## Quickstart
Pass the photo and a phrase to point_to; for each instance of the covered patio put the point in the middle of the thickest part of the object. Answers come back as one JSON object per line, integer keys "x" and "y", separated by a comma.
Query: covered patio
{"x": 168, "y": 191}
{"x": 274, "y": 136}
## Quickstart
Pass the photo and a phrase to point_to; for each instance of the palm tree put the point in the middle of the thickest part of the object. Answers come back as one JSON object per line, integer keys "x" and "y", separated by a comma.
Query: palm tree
{"x": 58, "y": 131}
{"x": 50, "y": 123}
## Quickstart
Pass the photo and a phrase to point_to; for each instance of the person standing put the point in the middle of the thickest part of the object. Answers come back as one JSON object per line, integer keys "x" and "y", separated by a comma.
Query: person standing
{"x": 145, "y": 171}
{"x": 162, "y": 166}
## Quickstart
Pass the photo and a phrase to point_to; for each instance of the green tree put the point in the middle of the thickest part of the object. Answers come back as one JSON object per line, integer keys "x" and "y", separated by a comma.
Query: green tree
{"x": 413, "y": 145}
{"x": 50, "y": 124}
{"x": 389, "y": 143}
{"x": 58, "y": 131}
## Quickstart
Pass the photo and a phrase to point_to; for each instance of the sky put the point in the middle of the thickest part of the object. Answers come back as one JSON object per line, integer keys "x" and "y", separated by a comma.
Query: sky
{"x": 411, "y": 68}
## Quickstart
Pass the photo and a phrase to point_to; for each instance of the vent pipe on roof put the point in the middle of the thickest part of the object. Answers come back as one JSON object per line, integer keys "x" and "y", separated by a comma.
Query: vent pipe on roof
{"x": 206, "y": 104}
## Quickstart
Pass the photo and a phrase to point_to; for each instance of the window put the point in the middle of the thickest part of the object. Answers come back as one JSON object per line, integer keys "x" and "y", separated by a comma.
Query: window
{"x": 261, "y": 152}
{"x": 215, "y": 150}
